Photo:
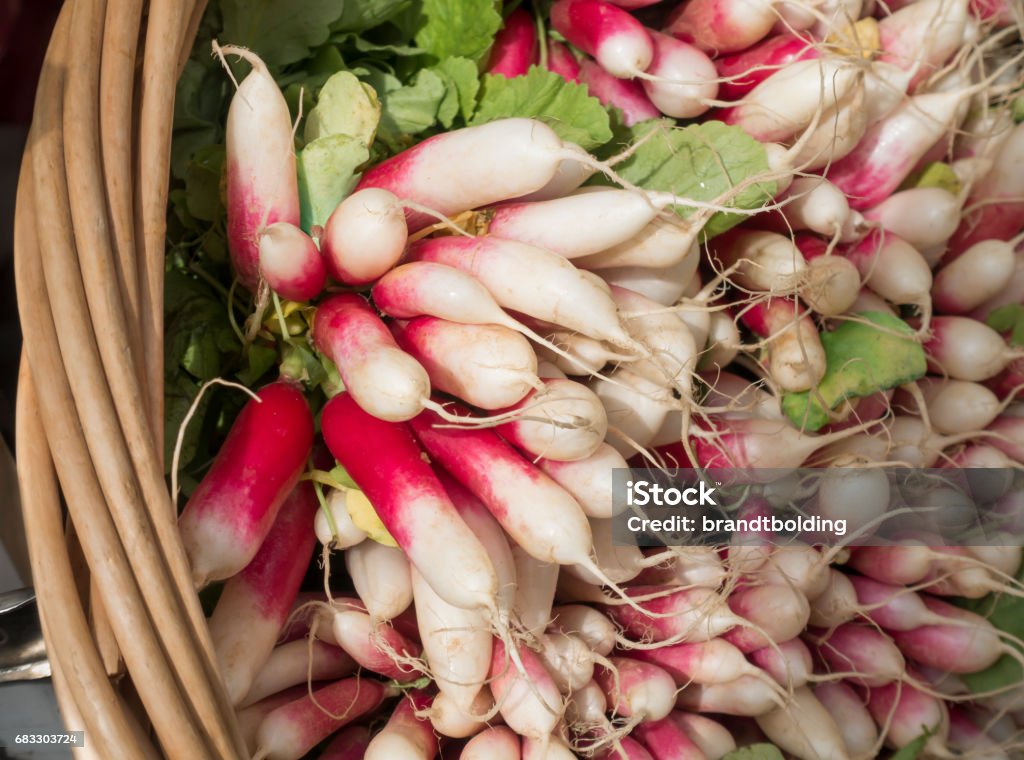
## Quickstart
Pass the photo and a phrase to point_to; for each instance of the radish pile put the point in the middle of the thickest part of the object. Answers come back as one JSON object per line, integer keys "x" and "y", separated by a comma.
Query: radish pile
{"x": 497, "y": 319}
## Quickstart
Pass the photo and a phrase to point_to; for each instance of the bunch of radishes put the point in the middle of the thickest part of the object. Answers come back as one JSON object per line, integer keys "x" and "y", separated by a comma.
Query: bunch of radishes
{"x": 505, "y": 337}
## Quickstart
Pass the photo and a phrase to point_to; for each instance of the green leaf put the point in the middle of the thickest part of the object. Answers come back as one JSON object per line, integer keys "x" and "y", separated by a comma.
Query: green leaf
{"x": 701, "y": 162}
{"x": 345, "y": 106}
{"x": 202, "y": 183}
{"x": 1008, "y": 319}
{"x": 564, "y": 106}
{"x": 328, "y": 170}
{"x": 198, "y": 335}
{"x": 360, "y": 15}
{"x": 179, "y": 392}
{"x": 412, "y": 109}
{"x": 912, "y": 750}
{"x": 457, "y": 28}
{"x": 300, "y": 364}
{"x": 1017, "y": 109}
{"x": 861, "y": 359}
{"x": 755, "y": 752}
{"x": 341, "y": 475}
{"x": 935, "y": 174}
{"x": 279, "y": 31}
{"x": 462, "y": 84}
{"x": 259, "y": 360}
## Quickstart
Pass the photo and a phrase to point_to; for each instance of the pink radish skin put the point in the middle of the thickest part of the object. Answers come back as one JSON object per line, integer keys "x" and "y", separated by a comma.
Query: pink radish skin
{"x": 863, "y": 650}
{"x": 290, "y": 262}
{"x": 722, "y": 26}
{"x": 388, "y": 465}
{"x": 563, "y": 62}
{"x": 1011, "y": 436}
{"x": 805, "y": 86}
{"x": 892, "y": 147}
{"x": 250, "y": 717}
{"x": 531, "y": 705}
{"x": 779, "y": 612}
{"x": 892, "y": 268}
{"x": 296, "y": 662}
{"x": 923, "y": 216}
{"x": 576, "y": 225}
{"x": 435, "y": 174}
{"x": 627, "y": 95}
{"x": 974, "y": 277}
{"x": 713, "y": 739}
{"x": 231, "y": 511}
{"x": 534, "y": 510}
{"x": 966, "y": 349}
{"x": 349, "y": 744}
{"x": 851, "y": 716}
{"x": 487, "y": 366}
{"x": 804, "y": 728}
{"x": 691, "y": 615}
{"x": 628, "y": 749}
{"x": 496, "y": 743}
{"x": 405, "y": 736}
{"x": 371, "y": 644}
{"x": 364, "y": 236}
{"x": 503, "y": 266}
{"x": 908, "y": 713}
{"x": 687, "y": 78}
{"x": 796, "y": 358}
{"x": 381, "y": 578}
{"x": 613, "y": 37}
{"x": 563, "y": 421}
{"x": 692, "y": 566}
{"x": 254, "y": 604}
{"x": 585, "y": 623}
{"x": 515, "y": 46}
{"x": 588, "y": 480}
{"x": 262, "y": 184}
{"x": 923, "y": 34}
{"x": 456, "y": 643}
{"x": 715, "y": 661}
{"x": 967, "y": 644}
{"x": 902, "y": 564}
{"x": 289, "y": 732}
{"x": 749, "y": 68}
{"x": 666, "y": 740}
{"x": 536, "y": 581}
{"x": 790, "y": 663}
{"x": 382, "y": 379}
{"x": 637, "y": 689}
{"x": 744, "y": 696}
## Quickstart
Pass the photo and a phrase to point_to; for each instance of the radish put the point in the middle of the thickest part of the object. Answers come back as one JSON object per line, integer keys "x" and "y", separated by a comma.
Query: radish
{"x": 627, "y": 95}
{"x": 723, "y": 341}
{"x": 381, "y": 578}
{"x": 859, "y": 649}
{"x": 563, "y": 62}
{"x": 376, "y": 646}
{"x": 364, "y": 236}
{"x": 868, "y": 300}
{"x": 549, "y": 748}
{"x": 250, "y": 717}
{"x": 435, "y": 173}
{"x": 713, "y": 739}
{"x": 495, "y": 743}
{"x": 683, "y": 80}
{"x": 385, "y": 461}
{"x": 797, "y": 565}
{"x": 850, "y": 715}
{"x": 923, "y": 216}
{"x": 231, "y": 511}
{"x": 254, "y": 604}
{"x": 405, "y": 736}
{"x": 663, "y": 285}
{"x": 764, "y": 261}
{"x": 262, "y": 183}
{"x": 670, "y": 616}
{"x": 958, "y": 406}
{"x": 515, "y": 46}
{"x": 714, "y": 661}
{"x": 810, "y": 203}
{"x": 1009, "y": 438}
{"x": 290, "y": 262}
{"x": 636, "y": 408}
{"x": 589, "y": 480}
{"x": 488, "y": 366}
{"x": 722, "y": 26}
{"x": 568, "y": 660}
{"x": 974, "y": 277}
{"x": 448, "y": 720}
{"x": 858, "y": 496}
{"x": 348, "y": 744}
{"x": 668, "y": 338}
{"x": 742, "y": 72}
{"x": 290, "y": 731}
{"x": 905, "y": 713}
{"x": 690, "y": 566}
{"x": 529, "y": 702}
{"x": 835, "y": 133}
{"x": 789, "y": 663}
{"x": 902, "y": 564}
{"x": 744, "y": 696}
{"x": 966, "y": 736}
{"x": 608, "y": 33}
{"x": 807, "y": 87}
{"x": 923, "y": 35}
{"x": 563, "y": 421}
{"x": 627, "y": 749}
{"x": 382, "y": 379}
{"x": 663, "y": 243}
{"x": 345, "y": 532}
{"x": 966, "y": 349}
{"x": 296, "y": 663}
{"x": 535, "y": 591}
{"x": 893, "y": 269}
{"x": 533, "y": 281}
{"x": 585, "y": 623}
{"x": 666, "y": 740}
{"x": 796, "y": 358}
{"x": 772, "y": 613}
{"x": 804, "y": 728}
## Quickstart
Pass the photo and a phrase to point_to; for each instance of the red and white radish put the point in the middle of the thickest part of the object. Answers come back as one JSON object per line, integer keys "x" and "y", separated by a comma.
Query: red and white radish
{"x": 923, "y": 216}
{"x": 515, "y": 46}
{"x": 290, "y": 262}
{"x": 529, "y": 701}
{"x": 405, "y": 736}
{"x": 296, "y": 663}
{"x": 682, "y": 81}
{"x": 627, "y": 95}
{"x": 975, "y": 277}
{"x": 589, "y": 480}
{"x": 563, "y": 421}
{"x": 722, "y": 26}
{"x": 804, "y": 728}
{"x": 376, "y": 646}
{"x": 618, "y": 41}
{"x": 364, "y": 236}
{"x": 381, "y": 578}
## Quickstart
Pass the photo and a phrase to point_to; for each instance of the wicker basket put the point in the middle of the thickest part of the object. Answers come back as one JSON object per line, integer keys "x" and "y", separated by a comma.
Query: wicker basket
{"x": 126, "y": 637}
